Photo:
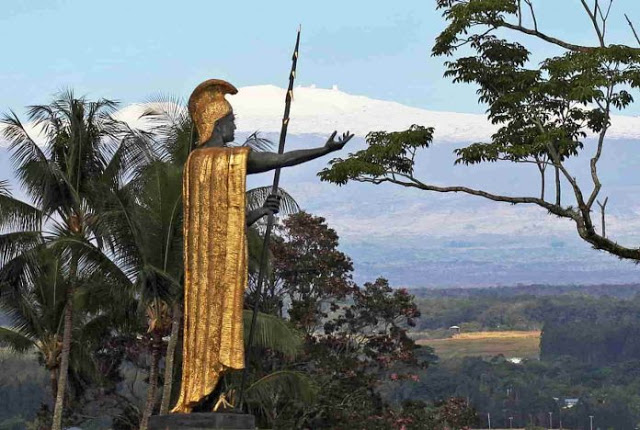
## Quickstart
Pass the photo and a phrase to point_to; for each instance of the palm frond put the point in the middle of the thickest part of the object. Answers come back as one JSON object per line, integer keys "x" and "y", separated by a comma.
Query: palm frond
{"x": 255, "y": 242}
{"x": 21, "y": 143}
{"x": 15, "y": 340}
{"x": 118, "y": 225}
{"x": 293, "y": 384}
{"x": 257, "y": 196}
{"x": 258, "y": 143}
{"x": 16, "y": 214}
{"x": 134, "y": 150}
{"x": 273, "y": 333}
{"x": 166, "y": 109}
{"x": 95, "y": 329}
{"x": 17, "y": 243}
{"x": 172, "y": 126}
{"x": 108, "y": 294}
{"x": 156, "y": 284}
{"x": 90, "y": 258}
{"x": 33, "y": 289}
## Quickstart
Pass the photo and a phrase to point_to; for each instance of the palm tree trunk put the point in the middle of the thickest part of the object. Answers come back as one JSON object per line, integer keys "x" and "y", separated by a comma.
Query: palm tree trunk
{"x": 168, "y": 361}
{"x": 53, "y": 377}
{"x": 64, "y": 357}
{"x": 153, "y": 381}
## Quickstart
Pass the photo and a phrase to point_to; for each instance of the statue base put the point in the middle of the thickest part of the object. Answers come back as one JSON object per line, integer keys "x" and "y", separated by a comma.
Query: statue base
{"x": 202, "y": 421}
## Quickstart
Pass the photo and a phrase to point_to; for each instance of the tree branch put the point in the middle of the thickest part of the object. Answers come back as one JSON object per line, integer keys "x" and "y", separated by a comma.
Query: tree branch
{"x": 546, "y": 38}
{"x": 594, "y": 21}
{"x": 583, "y": 224}
{"x": 520, "y": 12}
{"x": 557, "y": 162}
{"x": 602, "y": 209}
{"x": 533, "y": 15}
{"x": 632, "y": 29}
{"x": 541, "y": 167}
{"x": 605, "y": 17}
{"x": 415, "y": 183}
{"x": 594, "y": 161}
{"x": 558, "y": 186}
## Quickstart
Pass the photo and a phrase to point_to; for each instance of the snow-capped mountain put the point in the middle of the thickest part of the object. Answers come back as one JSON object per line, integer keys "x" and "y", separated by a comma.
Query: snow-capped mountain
{"x": 416, "y": 238}
{"x": 319, "y": 111}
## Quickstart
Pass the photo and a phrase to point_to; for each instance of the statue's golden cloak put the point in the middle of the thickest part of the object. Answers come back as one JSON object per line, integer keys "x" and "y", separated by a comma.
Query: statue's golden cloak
{"x": 215, "y": 263}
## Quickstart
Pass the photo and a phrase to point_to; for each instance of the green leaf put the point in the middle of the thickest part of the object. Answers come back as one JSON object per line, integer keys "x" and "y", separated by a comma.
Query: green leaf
{"x": 273, "y": 333}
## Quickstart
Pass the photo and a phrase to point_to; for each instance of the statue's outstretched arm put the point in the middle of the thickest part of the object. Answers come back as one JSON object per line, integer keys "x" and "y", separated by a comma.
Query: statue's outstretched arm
{"x": 259, "y": 162}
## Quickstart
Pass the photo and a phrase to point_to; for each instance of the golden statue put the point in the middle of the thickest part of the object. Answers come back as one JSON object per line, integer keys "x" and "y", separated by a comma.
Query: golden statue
{"x": 215, "y": 247}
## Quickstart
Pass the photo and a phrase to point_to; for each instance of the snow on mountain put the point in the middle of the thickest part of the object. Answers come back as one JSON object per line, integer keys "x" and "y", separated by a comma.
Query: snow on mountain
{"x": 320, "y": 111}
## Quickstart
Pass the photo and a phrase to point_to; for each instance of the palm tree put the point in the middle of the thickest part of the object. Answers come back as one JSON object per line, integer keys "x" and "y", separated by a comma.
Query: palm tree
{"x": 33, "y": 290}
{"x": 83, "y": 151}
{"x": 32, "y": 295}
{"x": 142, "y": 221}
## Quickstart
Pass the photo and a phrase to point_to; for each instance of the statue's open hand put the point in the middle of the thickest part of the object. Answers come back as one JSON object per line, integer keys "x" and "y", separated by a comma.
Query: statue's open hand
{"x": 333, "y": 145}
{"x": 271, "y": 206}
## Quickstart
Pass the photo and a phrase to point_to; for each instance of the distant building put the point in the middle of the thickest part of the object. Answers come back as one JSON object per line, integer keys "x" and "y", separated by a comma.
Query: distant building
{"x": 569, "y": 403}
{"x": 455, "y": 328}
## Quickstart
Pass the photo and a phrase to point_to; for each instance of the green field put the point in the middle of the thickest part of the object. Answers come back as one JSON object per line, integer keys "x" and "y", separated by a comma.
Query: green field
{"x": 511, "y": 344}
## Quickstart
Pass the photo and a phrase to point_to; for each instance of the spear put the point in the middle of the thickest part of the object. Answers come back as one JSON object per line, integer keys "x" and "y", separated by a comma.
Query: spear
{"x": 274, "y": 189}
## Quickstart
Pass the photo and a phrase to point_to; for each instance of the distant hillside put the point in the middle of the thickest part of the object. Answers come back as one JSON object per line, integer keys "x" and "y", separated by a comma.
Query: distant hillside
{"x": 620, "y": 291}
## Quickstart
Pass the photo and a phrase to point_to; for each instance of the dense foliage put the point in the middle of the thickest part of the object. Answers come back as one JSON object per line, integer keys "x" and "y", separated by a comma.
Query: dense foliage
{"x": 529, "y": 391}
{"x": 519, "y": 308}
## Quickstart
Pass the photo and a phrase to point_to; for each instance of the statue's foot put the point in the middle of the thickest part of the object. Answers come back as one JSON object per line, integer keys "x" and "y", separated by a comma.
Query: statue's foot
{"x": 223, "y": 405}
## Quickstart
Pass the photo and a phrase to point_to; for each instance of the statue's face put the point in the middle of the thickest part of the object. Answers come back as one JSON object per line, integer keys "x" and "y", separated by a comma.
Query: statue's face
{"x": 227, "y": 128}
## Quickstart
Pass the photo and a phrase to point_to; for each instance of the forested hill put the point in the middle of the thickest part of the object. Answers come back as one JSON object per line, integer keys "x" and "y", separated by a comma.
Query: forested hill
{"x": 516, "y": 308}
{"x": 620, "y": 291}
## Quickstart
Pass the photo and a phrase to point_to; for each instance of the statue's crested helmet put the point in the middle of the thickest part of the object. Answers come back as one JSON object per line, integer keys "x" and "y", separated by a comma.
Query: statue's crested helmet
{"x": 207, "y": 105}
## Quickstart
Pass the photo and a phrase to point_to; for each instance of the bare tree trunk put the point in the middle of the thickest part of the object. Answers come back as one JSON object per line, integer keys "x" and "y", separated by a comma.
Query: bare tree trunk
{"x": 153, "y": 381}
{"x": 64, "y": 355}
{"x": 557, "y": 186}
{"x": 53, "y": 377}
{"x": 168, "y": 361}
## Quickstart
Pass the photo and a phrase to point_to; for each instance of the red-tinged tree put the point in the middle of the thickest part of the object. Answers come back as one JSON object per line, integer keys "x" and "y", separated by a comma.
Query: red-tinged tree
{"x": 355, "y": 336}
{"x": 310, "y": 274}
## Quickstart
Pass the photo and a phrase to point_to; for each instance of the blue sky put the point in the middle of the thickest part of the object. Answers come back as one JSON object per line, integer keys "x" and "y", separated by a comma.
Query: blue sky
{"x": 131, "y": 50}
